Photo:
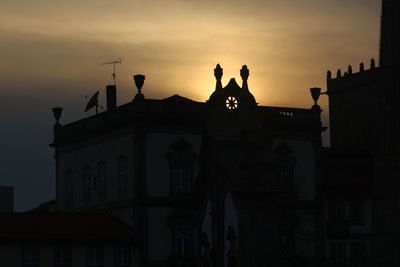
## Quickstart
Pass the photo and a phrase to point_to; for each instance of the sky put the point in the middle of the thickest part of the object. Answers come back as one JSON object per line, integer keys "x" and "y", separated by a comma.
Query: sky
{"x": 51, "y": 53}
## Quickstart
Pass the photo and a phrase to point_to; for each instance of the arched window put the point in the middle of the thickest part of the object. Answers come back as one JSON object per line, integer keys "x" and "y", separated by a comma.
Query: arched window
{"x": 69, "y": 188}
{"x": 101, "y": 180}
{"x": 87, "y": 183}
{"x": 122, "y": 176}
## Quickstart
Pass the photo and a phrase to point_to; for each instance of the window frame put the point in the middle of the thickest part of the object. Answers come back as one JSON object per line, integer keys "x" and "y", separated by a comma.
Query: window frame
{"x": 360, "y": 221}
{"x": 183, "y": 242}
{"x": 34, "y": 258}
{"x": 119, "y": 257}
{"x": 66, "y": 256}
{"x": 336, "y": 212}
{"x": 87, "y": 183}
{"x": 332, "y": 254}
{"x": 102, "y": 180}
{"x": 181, "y": 175}
{"x": 122, "y": 174}
{"x": 357, "y": 259}
{"x": 181, "y": 151}
{"x": 97, "y": 259}
{"x": 69, "y": 188}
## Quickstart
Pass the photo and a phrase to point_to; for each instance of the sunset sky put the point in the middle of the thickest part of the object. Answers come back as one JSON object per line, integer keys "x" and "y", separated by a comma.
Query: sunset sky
{"x": 51, "y": 53}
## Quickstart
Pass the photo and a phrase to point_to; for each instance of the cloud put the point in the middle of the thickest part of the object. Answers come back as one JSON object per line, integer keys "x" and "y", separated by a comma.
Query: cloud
{"x": 52, "y": 50}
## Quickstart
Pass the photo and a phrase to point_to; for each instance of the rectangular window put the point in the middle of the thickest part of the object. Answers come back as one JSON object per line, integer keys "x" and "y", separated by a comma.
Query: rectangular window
{"x": 69, "y": 189}
{"x": 87, "y": 173}
{"x": 358, "y": 252}
{"x": 61, "y": 256}
{"x": 95, "y": 256}
{"x": 357, "y": 213}
{"x": 182, "y": 240}
{"x": 101, "y": 180}
{"x": 336, "y": 212}
{"x": 180, "y": 175}
{"x": 337, "y": 252}
{"x": 284, "y": 172}
{"x": 122, "y": 256}
{"x": 122, "y": 176}
{"x": 30, "y": 256}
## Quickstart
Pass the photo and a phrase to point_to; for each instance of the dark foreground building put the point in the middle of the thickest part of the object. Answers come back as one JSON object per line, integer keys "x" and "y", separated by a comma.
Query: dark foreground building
{"x": 219, "y": 183}
{"x": 230, "y": 183}
{"x": 362, "y": 167}
{"x": 65, "y": 240}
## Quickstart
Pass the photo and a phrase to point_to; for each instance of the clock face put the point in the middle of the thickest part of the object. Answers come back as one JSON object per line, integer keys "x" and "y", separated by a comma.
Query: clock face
{"x": 231, "y": 103}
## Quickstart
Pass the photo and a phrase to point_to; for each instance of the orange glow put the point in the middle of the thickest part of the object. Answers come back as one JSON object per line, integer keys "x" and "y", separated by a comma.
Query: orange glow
{"x": 51, "y": 53}
{"x": 287, "y": 45}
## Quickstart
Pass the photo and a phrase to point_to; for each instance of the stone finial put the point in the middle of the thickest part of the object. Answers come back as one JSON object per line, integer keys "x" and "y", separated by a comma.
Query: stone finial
{"x": 315, "y": 93}
{"x": 361, "y": 66}
{"x": 339, "y": 73}
{"x": 372, "y": 63}
{"x": 139, "y": 81}
{"x": 57, "y": 111}
{"x": 244, "y": 73}
{"x": 328, "y": 75}
{"x": 350, "y": 70}
{"x": 218, "y": 72}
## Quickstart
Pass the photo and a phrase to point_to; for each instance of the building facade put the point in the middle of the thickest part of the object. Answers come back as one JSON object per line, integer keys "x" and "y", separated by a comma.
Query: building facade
{"x": 365, "y": 148}
{"x": 224, "y": 182}
{"x": 65, "y": 240}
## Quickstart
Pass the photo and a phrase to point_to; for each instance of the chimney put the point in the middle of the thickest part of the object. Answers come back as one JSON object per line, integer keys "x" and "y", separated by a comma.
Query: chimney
{"x": 111, "y": 91}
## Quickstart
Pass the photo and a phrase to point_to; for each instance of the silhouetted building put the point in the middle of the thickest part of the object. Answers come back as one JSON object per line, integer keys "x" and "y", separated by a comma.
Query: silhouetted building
{"x": 348, "y": 191}
{"x": 362, "y": 167}
{"x": 48, "y": 240}
{"x": 6, "y": 199}
{"x": 48, "y": 206}
{"x": 219, "y": 183}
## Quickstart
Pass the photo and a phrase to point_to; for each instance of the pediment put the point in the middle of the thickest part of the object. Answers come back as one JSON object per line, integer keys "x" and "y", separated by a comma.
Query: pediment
{"x": 232, "y": 88}
{"x": 181, "y": 145}
{"x": 282, "y": 149}
{"x": 178, "y": 99}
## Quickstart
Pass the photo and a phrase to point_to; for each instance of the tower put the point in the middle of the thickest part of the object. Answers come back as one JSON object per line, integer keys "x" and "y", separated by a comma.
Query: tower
{"x": 364, "y": 125}
{"x": 390, "y": 65}
{"x": 390, "y": 34}
{"x": 387, "y": 159}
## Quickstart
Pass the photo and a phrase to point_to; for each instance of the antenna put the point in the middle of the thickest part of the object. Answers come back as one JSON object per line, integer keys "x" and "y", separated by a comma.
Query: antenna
{"x": 93, "y": 102}
{"x": 114, "y": 74}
